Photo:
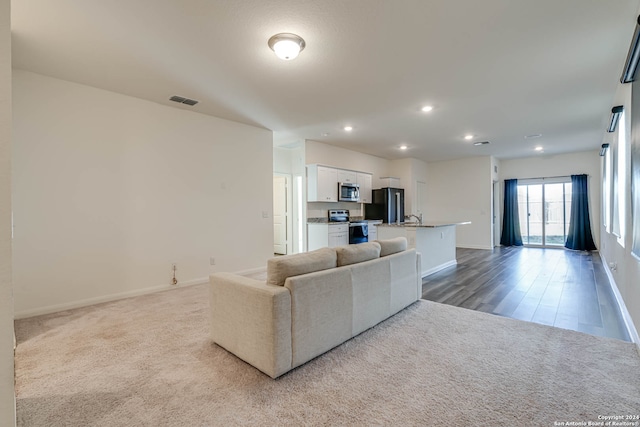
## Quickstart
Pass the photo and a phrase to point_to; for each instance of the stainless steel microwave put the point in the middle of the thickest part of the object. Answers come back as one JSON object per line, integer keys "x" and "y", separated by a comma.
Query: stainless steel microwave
{"x": 348, "y": 192}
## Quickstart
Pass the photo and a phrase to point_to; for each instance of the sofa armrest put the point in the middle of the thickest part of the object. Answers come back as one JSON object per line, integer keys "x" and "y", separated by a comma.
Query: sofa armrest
{"x": 252, "y": 320}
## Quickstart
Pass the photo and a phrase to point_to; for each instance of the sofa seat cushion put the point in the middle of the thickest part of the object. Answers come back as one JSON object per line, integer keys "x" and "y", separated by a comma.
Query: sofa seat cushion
{"x": 279, "y": 268}
{"x": 392, "y": 246}
{"x": 353, "y": 254}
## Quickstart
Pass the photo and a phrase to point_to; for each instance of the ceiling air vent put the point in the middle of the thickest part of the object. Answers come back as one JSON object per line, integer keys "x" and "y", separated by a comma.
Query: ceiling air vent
{"x": 481, "y": 143}
{"x": 183, "y": 100}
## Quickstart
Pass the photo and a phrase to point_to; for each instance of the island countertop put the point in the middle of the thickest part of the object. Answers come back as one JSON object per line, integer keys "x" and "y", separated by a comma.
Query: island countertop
{"x": 425, "y": 224}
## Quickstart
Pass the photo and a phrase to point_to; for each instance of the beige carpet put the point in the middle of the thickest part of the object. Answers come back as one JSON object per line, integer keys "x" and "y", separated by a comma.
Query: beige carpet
{"x": 147, "y": 361}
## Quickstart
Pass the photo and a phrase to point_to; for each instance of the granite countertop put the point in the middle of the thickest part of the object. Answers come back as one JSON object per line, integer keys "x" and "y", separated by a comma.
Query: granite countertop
{"x": 324, "y": 220}
{"x": 425, "y": 224}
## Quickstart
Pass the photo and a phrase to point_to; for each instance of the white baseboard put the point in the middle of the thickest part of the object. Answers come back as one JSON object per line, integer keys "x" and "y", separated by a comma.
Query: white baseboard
{"x": 628, "y": 322}
{"x": 106, "y": 298}
{"x": 439, "y": 267}
{"x": 474, "y": 247}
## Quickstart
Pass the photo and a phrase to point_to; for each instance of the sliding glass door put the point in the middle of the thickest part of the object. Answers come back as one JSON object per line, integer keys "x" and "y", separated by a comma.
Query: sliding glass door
{"x": 544, "y": 209}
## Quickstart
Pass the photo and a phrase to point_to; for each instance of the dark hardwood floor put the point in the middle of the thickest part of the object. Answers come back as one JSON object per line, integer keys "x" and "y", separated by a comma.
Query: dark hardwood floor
{"x": 554, "y": 287}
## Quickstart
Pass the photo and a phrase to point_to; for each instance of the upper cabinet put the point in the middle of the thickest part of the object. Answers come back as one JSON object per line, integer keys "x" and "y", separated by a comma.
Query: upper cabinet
{"x": 322, "y": 184}
{"x": 364, "y": 182}
{"x": 347, "y": 176}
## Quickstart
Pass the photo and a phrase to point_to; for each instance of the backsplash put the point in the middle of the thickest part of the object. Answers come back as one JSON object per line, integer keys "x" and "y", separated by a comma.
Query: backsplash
{"x": 321, "y": 209}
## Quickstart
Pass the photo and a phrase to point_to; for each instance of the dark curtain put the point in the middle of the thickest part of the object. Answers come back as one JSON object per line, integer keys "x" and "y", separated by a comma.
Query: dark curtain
{"x": 579, "y": 237}
{"x": 511, "y": 235}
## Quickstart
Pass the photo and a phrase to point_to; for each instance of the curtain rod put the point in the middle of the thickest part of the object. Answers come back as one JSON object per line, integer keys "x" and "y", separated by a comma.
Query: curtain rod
{"x": 559, "y": 176}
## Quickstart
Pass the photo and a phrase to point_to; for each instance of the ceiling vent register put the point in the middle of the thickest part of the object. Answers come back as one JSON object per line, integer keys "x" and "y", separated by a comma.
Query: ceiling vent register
{"x": 183, "y": 100}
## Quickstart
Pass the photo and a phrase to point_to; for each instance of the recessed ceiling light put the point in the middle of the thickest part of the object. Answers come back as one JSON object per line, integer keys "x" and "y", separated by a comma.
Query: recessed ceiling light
{"x": 427, "y": 108}
{"x": 539, "y": 148}
{"x": 532, "y": 136}
{"x": 403, "y": 147}
{"x": 325, "y": 134}
{"x": 468, "y": 137}
{"x": 348, "y": 128}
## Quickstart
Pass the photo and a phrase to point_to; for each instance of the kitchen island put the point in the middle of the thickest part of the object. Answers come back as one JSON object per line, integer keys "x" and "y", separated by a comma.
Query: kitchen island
{"x": 435, "y": 240}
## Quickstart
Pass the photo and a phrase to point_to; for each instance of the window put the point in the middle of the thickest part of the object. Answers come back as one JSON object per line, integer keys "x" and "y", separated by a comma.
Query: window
{"x": 606, "y": 192}
{"x": 620, "y": 182}
{"x": 544, "y": 208}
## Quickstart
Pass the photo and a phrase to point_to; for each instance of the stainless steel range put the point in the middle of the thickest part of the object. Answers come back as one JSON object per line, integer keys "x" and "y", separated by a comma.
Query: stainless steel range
{"x": 358, "y": 230}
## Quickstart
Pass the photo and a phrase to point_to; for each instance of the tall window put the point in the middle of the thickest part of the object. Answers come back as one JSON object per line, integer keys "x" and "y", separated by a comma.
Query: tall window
{"x": 544, "y": 207}
{"x": 606, "y": 192}
{"x": 620, "y": 182}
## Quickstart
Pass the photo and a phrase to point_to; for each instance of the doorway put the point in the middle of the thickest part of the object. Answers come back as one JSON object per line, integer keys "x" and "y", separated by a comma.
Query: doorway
{"x": 495, "y": 214}
{"x": 281, "y": 214}
{"x": 544, "y": 208}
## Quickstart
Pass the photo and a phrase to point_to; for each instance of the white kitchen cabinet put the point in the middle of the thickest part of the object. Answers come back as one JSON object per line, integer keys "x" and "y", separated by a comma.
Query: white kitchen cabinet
{"x": 347, "y": 176}
{"x": 364, "y": 182}
{"x": 322, "y": 184}
{"x": 322, "y": 235}
{"x": 338, "y": 235}
{"x": 373, "y": 230}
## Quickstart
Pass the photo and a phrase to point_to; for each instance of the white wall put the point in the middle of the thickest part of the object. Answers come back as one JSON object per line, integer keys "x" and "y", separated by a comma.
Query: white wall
{"x": 7, "y": 397}
{"x": 282, "y": 160}
{"x": 627, "y": 274}
{"x": 585, "y": 162}
{"x": 325, "y": 154}
{"x": 411, "y": 171}
{"x": 110, "y": 190}
{"x": 460, "y": 190}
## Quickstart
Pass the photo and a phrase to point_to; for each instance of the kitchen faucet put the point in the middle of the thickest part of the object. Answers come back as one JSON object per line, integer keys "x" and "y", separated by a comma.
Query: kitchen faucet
{"x": 419, "y": 218}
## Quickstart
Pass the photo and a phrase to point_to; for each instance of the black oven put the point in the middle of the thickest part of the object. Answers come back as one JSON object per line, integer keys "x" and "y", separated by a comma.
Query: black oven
{"x": 358, "y": 232}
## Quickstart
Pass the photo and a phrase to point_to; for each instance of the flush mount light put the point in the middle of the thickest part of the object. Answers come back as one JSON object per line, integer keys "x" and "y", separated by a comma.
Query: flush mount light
{"x": 631, "y": 64}
{"x": 348, "y": 128}
{"x": 468, "y": 137}
{"x": 287, "y": 46}
{"x": 427, "y": 108}
{"x": 615, "y": 116}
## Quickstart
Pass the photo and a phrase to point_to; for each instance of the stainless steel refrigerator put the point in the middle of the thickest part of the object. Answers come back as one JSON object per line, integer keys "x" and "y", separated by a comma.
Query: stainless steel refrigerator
{"x": 387, "y": 205}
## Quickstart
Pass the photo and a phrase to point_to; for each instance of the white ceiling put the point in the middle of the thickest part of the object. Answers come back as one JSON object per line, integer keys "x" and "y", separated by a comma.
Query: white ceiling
{"x": 498, "y": 69}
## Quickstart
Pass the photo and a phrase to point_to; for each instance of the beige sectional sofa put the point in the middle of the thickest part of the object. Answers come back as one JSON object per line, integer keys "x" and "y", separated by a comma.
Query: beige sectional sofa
{"x": 311, "y": 302}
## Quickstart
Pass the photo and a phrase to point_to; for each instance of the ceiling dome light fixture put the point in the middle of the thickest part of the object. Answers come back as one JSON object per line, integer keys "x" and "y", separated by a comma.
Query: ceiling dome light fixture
{"x": 287, "y": 46}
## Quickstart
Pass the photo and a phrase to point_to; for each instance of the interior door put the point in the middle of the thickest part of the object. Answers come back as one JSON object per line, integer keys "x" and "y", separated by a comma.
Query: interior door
{"x": 280, "y": 216}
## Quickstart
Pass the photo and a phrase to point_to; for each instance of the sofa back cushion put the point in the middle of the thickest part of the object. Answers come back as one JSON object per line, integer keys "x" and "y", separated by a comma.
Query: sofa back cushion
{"x": 353, "y": 254}
{"x": 279, "y": 268}
{"x": 392, "y": 246}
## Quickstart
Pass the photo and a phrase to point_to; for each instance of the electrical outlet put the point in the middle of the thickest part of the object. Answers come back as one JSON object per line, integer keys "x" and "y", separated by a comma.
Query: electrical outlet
{"x": 212, "y": 261}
